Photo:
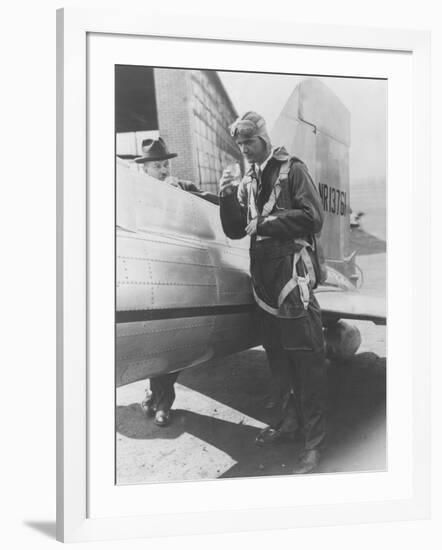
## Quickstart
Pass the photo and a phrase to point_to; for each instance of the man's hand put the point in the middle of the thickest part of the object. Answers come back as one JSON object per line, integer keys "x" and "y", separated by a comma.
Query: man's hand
{"x": 227, "y": 183}
{"x": 172, "y": 180}
{"x": 252, "y": 227}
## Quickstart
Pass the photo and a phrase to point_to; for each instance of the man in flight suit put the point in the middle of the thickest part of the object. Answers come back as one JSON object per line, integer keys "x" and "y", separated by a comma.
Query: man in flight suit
{"x": 278, "y": 206}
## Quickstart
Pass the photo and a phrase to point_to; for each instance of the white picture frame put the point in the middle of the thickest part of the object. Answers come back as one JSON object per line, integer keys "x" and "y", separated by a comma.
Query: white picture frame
{"x": 75, "y": 217}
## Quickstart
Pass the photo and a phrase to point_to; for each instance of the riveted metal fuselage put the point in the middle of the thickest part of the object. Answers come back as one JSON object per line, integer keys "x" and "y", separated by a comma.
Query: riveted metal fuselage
{"x": 183, "y": 288}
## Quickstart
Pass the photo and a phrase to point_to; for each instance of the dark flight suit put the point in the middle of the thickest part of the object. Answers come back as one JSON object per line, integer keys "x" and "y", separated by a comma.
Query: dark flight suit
{"x": 292, "y": 330}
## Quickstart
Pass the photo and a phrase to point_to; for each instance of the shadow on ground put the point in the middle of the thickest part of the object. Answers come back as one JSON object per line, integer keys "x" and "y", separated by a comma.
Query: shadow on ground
{"x": 356, "y": 416}
{"x": 235, "y": 439}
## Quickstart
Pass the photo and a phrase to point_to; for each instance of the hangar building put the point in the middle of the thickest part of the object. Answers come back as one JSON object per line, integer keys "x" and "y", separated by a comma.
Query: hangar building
{"x": 189, "y": 108}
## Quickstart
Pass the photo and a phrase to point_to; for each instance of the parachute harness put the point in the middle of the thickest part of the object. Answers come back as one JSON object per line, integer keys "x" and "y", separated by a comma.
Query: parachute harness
{"x": 303, "y": 256}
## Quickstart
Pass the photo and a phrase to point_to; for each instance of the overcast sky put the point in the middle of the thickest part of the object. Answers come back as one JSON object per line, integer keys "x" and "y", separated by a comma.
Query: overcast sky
{"x": 365, "y": 99}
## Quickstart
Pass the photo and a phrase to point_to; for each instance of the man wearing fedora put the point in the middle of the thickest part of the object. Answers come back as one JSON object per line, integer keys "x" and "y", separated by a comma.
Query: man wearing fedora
{"x": 156, "y": 163}
{"x": 278, "y": 206}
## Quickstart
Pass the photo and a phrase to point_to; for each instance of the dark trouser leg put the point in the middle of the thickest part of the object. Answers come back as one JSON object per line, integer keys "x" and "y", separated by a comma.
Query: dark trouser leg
{"x": 279, "y": 387}
{"x": 303, "y": 339}
{"x": 309, "y": 382}
{"x": 297, "y": 361}
{"x": 163, "y": 391}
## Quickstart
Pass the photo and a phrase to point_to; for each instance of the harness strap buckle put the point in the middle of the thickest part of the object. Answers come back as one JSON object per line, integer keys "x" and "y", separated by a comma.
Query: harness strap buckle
{"x": 304, "y": 290}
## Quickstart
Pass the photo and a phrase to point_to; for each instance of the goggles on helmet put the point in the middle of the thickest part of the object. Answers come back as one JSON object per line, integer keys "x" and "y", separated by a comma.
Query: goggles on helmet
{"x": 246, "y": 128}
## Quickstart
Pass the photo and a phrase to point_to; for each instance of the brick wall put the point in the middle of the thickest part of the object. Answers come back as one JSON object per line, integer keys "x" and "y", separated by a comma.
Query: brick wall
{"x": 173, "y": 96}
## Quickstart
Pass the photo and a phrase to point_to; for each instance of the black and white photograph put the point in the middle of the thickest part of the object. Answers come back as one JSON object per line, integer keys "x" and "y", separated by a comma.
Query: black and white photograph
{"x": 250, "y": 274}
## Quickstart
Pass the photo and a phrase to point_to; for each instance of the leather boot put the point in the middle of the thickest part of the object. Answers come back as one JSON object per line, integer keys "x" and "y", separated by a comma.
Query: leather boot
{"x": 162, "y": 418}
{"x": 269, "y": 436}
{"x": 148, "y": 407}
{"x": 308, "y": 462}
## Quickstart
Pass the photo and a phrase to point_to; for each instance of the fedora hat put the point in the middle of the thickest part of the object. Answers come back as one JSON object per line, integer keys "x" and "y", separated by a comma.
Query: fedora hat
{"x": 154, "y": 149}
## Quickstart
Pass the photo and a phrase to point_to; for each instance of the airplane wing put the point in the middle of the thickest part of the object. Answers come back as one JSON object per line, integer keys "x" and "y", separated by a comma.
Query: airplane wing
{"x": 347, "y": 304}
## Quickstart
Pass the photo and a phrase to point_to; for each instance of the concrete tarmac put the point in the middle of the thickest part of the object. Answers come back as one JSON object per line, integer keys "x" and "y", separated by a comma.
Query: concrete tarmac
{"x": 220, "y": 408}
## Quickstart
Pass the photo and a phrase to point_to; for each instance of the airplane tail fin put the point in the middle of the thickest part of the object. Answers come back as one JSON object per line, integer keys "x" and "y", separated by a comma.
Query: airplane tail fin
{"x": 315, "y": 126}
